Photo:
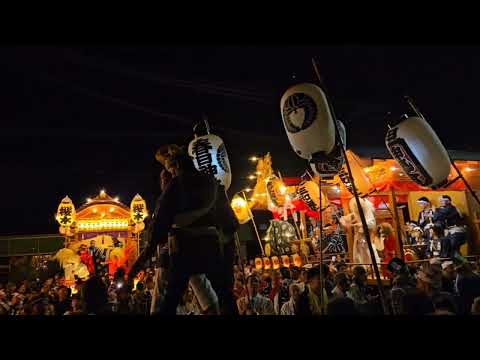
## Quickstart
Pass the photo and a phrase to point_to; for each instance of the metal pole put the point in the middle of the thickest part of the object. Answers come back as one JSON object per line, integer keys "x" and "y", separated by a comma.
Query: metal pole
{"x": 397, "y": 221}
{"x": 357, "y": 199}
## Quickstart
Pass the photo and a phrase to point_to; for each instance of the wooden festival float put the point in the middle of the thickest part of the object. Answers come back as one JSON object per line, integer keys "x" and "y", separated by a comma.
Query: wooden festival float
{"x": 114, "y": 226}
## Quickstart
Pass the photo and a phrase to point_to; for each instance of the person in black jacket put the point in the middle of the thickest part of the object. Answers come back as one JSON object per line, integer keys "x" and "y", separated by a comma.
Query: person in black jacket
{"x": 187, "y": 221}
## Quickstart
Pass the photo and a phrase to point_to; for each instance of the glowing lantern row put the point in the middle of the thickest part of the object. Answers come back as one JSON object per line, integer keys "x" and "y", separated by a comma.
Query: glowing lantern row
{"x": 274, "y": 263}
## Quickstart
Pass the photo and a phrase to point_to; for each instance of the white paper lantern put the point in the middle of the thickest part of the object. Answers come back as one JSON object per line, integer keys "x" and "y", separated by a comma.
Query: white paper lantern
{"x": 418, "y": 150}
{"x": 329, "y": 165}
{"x": 210, "y": 156}
{"x": 307, "y": 120}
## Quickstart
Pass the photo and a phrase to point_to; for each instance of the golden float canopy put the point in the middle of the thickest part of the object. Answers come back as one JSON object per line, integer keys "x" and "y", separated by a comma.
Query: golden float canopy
{"x": 240, "y": 208}
{"x": 138, "y": 209}
{"x": 66, "y": 213}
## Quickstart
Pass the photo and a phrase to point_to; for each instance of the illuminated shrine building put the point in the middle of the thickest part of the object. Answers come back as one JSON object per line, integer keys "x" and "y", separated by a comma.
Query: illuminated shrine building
{"x": 103, "y": 215}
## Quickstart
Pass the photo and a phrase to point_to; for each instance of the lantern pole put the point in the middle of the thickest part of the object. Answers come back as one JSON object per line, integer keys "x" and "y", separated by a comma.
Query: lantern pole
{"x": 240, "y": 260}
{"x": 320, "y": 223}
{"x": 357, "y": 200}
{"x": 460, "y": 175}
{"x": 254, "y": 224}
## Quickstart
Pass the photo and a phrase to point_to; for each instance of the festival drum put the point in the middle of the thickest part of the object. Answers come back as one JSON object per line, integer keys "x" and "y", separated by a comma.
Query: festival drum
{"x": 307, "y": 120}
{"x": 420, "y": 153}
{"x": 210, "y": 156}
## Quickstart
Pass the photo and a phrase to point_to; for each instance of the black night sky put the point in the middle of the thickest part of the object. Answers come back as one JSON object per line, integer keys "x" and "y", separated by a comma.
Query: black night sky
{"x": 78, "y": 119}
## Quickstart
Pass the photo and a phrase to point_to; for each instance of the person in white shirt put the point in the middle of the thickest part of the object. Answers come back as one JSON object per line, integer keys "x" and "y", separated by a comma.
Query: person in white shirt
{"x": 289, "y": 308}
{"x": 254, "y": 303}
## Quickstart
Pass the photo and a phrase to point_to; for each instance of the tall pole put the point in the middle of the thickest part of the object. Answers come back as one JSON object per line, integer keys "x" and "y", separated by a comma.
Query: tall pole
{"x": 357, "y": 200}
{"x": 320, "y": 223}
{"x": 397, "y": 222}
{"x": 254, "y": 225}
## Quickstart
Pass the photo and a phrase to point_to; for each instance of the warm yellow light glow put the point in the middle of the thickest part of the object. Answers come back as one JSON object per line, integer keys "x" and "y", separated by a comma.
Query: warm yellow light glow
{"x": 116, "y": 199}
{"x": 103, "y": 224}
{"x": 102, "y": 191}
{"x": 94, "y": 210}
{"x": 89, "y": 200}
{"x": 111, "y": 209}
{"x": 258, "y": 173}
{"x": 247, "y": 190}
{"x": 253, "y": 158}
{"x": 251, "y": 177}
{"x": 393, "y": 168}
{"x": 367, "y": 170}
{"x": 283, "y": 189}
{"x": 239, "y": 202}
{"x": 468, "y": 169}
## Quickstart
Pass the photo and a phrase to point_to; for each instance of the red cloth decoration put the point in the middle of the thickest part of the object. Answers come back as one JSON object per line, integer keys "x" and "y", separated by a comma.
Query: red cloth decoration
{"x": 87, "y": 259}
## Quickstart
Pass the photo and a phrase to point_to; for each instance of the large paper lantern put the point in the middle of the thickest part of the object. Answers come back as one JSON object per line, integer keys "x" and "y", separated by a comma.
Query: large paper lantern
{"x": 419, "y": 151}
{"x": 66, "y": 213}
{"x": 138, "y": 209}
{"x": 307, "y": 120}
{"x": 362, "y": 182}
{"x": 309, "y": 193}
{"x": 241, "y": 209}
{"x": 330, "y": 164}
{"x": 210, "y": 156}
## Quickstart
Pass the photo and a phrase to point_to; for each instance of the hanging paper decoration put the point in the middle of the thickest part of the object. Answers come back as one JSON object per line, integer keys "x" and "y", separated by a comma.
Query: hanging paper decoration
{"x": 286, "y": 261}
{"x": 138, "y": 209}
{"x": 66, "y": 213}
{"x": 309, "y": 193}
{"x": 258, "y": 264}
{"x": 307, "y": 120}
{"x": 240, "y": 208}
{"x": 361, "y": 179}
{"x": 418, "y": 150}
{"x": 330, "y": 164}
{"x": 210, "y": 156}
{"x": 276, "y": 192}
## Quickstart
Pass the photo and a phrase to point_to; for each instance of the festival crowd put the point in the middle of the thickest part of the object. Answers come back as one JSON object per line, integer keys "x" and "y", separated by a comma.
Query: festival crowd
{"x": 190, "y": 266}
{"x": 434, "y": 288}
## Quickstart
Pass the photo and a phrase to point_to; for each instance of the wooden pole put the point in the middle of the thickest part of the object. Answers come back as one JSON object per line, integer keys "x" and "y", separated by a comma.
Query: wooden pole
{"x": 254, "y": 225}
{"x": 359, "y": 206}
{"x": 393, "y": 201}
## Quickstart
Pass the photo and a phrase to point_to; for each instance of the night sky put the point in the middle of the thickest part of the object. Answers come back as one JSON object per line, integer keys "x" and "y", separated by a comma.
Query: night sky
{"x": 79, "y": 119}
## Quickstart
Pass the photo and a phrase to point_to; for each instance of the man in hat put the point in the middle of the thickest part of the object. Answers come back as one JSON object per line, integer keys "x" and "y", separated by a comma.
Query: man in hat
{"x": 450, "y": 218}
{"x": 186, "y": 220}
{"x": 425, "y": 221}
